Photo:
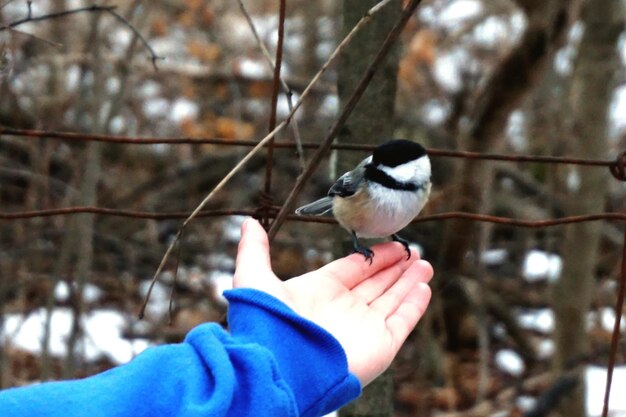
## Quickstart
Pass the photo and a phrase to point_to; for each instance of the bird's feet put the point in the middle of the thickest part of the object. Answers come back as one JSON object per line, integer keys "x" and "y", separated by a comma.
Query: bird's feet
{"x": 363, "y": 250}
{"x": 404, "y": 243}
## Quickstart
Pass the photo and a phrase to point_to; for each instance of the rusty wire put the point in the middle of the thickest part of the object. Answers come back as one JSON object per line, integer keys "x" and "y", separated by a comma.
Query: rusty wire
{"x": 144, "y": 140}
{"x": 272, "y": 210}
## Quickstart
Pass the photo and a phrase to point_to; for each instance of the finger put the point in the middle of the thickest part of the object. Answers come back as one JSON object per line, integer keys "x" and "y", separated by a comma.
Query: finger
{"x": 372, "y": 288}
{"x": 253, "y": 254}
{"x": 402, "y": 322}
{"x": 353, "y": 269}
{"x": 389, "y": 301}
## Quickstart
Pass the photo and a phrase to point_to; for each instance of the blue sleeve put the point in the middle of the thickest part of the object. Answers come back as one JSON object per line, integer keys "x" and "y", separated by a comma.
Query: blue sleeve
{"x": 271, "y": 363}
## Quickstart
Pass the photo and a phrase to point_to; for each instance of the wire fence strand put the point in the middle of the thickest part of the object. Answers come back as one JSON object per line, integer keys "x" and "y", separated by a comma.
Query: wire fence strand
{"x": 435, "y": 152}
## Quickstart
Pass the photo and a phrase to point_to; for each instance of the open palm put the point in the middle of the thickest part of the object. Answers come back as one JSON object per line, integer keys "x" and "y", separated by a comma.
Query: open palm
{"x": 369, "y": 309}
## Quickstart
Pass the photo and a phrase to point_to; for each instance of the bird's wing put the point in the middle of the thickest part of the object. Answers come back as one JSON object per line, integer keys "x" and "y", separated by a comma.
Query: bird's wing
{"x": 348, "y": 183}
{"x": 346, "y": 186}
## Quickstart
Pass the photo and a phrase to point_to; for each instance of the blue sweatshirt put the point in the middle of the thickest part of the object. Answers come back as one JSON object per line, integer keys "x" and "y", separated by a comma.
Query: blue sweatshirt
{"x": 272, "y": 363}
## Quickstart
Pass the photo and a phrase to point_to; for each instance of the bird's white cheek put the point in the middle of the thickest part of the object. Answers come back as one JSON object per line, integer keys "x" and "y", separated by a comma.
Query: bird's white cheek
{"x": 413, "y": 171}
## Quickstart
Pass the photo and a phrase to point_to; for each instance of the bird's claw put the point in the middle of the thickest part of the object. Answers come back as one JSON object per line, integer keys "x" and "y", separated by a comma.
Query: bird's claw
{"x": 366, "y": 252}
{"x": 404, "y": 243}
{"x": 363, "y": 250}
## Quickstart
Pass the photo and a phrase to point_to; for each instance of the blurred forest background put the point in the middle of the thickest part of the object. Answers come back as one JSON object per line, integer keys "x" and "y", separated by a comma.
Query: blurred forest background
{"x": 521, "y": 319}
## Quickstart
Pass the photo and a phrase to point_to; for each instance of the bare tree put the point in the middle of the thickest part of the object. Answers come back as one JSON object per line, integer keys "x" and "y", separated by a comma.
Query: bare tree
{"x": 591, "y": 93}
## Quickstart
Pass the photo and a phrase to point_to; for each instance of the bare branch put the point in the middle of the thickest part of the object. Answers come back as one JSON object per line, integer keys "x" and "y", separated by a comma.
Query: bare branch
{"x": 89, "y": 9}
{"x": 267, "y": 188}
{"x": 287, "y": 90}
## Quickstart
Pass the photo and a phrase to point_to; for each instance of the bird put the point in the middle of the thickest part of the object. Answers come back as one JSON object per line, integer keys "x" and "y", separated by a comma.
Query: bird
{"x": 380, "y": 196}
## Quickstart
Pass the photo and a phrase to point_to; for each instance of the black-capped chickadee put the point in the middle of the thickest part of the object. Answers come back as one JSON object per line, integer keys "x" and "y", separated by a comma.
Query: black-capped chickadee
{"x": 381, "y": 195}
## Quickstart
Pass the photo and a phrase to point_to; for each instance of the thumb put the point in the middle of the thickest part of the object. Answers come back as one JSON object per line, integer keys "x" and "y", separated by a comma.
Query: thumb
{"x": 253, "y": 255}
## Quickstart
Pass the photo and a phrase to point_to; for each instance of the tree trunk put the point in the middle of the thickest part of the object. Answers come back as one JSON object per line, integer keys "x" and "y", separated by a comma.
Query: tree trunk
{"x": 84, "y": 223}
{"x": 590, "y": 98}
{"x": 370, "y": 122}
{"x": 511, "y": 81}
{"x": 372, "y": 119}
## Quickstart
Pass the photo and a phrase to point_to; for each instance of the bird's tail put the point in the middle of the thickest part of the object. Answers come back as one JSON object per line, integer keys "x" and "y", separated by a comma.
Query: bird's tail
{"x": 316, "y": 208}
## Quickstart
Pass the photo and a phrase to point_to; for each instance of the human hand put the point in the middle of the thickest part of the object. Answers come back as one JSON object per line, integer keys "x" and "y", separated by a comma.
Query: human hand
{"x": 369, "y": 309}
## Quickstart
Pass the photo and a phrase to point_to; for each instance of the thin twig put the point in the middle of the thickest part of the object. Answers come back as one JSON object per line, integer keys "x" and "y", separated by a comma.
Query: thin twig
{"x": 286, "y": 89}
{"x": 619, "y": 308}
{"x": 153, "y": 56}
{"x": 55, "y": 15}
{"x": 269, "y": 163}
{"x": 106, "y": 9}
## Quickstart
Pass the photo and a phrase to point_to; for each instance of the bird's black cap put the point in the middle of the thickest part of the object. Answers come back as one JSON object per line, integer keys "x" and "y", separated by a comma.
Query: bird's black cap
{"x": 397, "y": 152}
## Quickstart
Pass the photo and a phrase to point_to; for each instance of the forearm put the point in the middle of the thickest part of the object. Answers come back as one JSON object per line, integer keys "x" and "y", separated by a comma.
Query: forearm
{"x": 272, "y": 363}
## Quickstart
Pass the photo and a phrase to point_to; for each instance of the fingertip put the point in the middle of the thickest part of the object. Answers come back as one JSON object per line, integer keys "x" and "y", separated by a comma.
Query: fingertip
{"x": 252, "y": 254}
{"x": 249, "y": 222}
{"x": 421, "y": 271}
{"x": 427, "y": 269}
{"x": 425, "y": 289}
{"x": 419, "y": 296}
{"x": 251, "y": 228}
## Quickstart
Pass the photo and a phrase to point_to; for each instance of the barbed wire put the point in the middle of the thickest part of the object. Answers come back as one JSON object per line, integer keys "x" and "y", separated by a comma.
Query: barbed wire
{"x": 620, "y": 160}
{"x": 271, "y": 212}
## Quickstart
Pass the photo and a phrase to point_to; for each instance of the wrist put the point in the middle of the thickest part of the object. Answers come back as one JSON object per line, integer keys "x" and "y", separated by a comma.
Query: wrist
{"x": 310, "y": 359}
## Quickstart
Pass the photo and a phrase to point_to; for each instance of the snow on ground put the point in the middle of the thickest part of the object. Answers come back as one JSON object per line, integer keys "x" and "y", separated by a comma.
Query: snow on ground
{"x": 232, "y": 228}
{"x": 456, "y": 12}
{"x": 448, "y": 69}
{"x": 618, "y": 109}
{"x": 102, "y": 328}
{"x": 91, "y": 293}
{"x": 595, "y": 379}
{"x": 184, "y": 109}
{"x": 222, "y": 281}
{"x": 540, "y": 320}
{"x": 494, "y": 256}
{"x": 510, "y": 362}
{"x": 540, "y": 265}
